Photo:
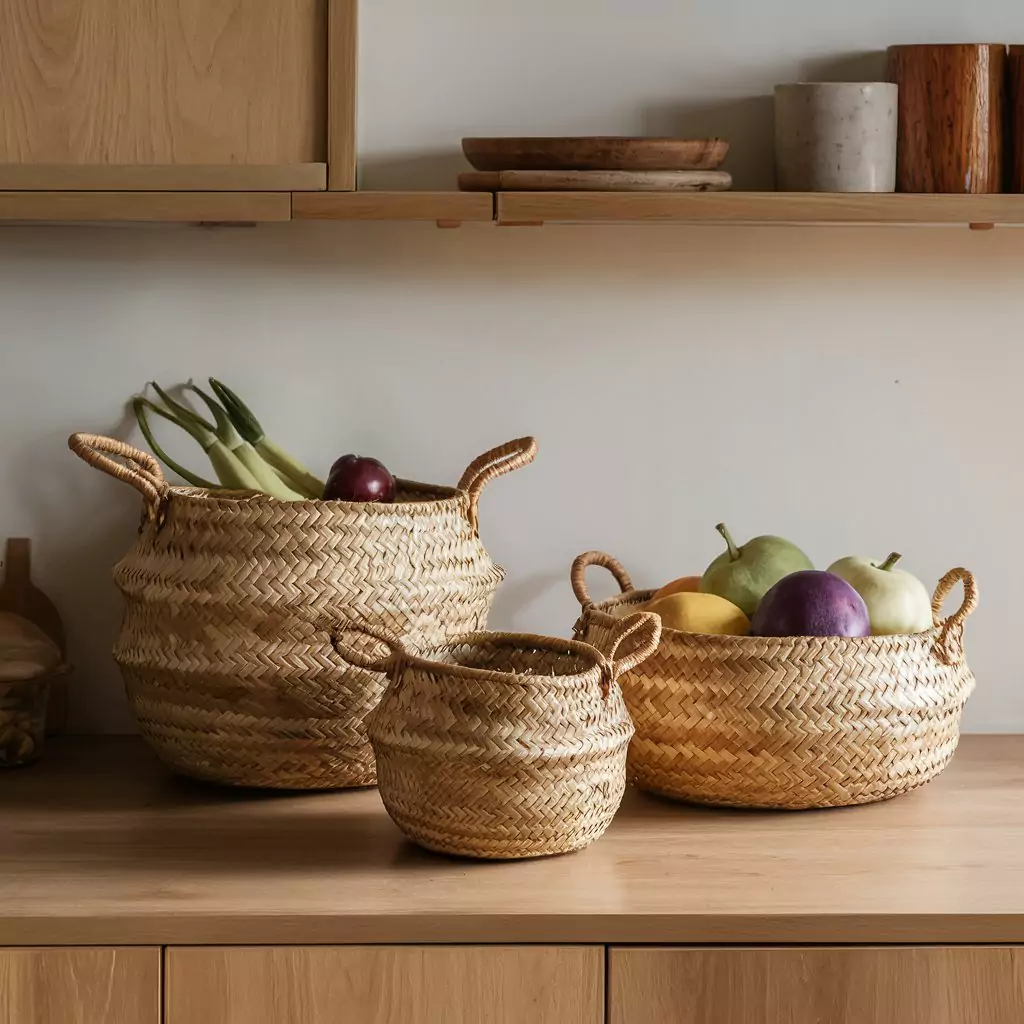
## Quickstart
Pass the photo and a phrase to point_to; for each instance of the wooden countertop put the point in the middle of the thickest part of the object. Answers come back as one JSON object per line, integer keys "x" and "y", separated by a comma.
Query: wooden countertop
{"x": 100, "y": 845}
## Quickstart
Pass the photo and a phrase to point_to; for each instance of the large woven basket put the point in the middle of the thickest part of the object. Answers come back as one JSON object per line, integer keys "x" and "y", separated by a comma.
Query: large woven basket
{"x": 791, "y": 722}
{"x": 230, "y": 599}
{"x": 504, "y": 745}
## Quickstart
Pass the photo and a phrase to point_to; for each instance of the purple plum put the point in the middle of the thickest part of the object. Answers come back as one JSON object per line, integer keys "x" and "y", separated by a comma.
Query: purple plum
{"x": 811, "y": 603}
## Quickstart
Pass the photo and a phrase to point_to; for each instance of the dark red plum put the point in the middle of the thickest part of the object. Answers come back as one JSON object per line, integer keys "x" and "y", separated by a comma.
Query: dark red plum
{"x": 811, "y": 603}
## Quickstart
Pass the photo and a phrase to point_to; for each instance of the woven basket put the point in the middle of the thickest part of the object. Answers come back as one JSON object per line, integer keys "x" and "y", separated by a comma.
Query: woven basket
{"x": 790, "y": 722}
{"x": 504, "y": 745}
{"x": 230, "y": 598}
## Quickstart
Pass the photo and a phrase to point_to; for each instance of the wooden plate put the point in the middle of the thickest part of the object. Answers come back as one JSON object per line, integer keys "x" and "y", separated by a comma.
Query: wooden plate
{"x": 595, "y": 154}
{"x": 595, "y": 181}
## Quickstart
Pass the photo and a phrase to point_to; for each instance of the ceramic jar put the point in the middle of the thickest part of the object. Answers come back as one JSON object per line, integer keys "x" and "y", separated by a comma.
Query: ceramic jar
{"x": 836, "y": 137}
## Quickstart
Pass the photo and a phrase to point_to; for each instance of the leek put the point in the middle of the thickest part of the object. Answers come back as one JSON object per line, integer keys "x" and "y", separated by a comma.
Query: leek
{"x": 289, "y": 468}
{"x": 270, "y": 482}
{"x": 140, "y": 405}
{"x": 230, "y": 470}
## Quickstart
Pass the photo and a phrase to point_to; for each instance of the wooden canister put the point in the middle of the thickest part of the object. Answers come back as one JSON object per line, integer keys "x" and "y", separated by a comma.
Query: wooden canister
{"x": 1015, "y": 101}
{"x": 952, "y": 103}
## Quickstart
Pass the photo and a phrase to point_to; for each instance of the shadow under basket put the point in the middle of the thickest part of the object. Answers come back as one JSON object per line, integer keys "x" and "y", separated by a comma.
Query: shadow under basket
{"x": 230, "y": 599}
{"x": 503, "y": 745}
{"x": 788, "y": 722}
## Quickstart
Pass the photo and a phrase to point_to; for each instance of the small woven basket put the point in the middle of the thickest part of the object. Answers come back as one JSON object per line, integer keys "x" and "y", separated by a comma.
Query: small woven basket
{"x": 230, "y": 599}
{"x": 504, "y": 745}
{"x": 788, "y": 722}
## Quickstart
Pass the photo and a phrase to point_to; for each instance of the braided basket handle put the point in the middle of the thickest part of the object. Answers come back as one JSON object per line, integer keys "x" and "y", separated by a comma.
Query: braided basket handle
{"x": 497, "y": 462}
{"x": 644, "y": 630}
{"x": 578, "y": 574}
{"x": 951, "y": 637}
{"x": 354, "y": 656}
{"x": 139, "y": 468}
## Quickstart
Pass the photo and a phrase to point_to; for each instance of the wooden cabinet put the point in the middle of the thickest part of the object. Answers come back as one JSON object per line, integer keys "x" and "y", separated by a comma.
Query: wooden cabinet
{"x": 382, "y": 985}
{"x": 892, "y": 985}
{"x": 80, "y": 986}
{"x": 176, "y": 94}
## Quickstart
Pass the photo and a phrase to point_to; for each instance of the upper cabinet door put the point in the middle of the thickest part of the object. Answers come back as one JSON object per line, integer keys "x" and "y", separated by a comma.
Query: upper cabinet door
{"x": 386, "y": 985}
{"x": 209, "y": 93}
{"x": 80, "y": 986}
{"x": 960, "y": 985}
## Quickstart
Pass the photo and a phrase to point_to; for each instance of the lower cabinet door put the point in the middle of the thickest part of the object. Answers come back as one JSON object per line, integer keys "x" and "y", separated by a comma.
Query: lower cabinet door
{"x": 80, "y": 986}
{"x": 892, "y": 985}
{"x": 385, "y": 985}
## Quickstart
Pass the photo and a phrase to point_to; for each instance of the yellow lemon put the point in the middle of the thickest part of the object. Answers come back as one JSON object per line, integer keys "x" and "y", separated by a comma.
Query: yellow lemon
{"x": 700, "y": 613}
{"x": 686, "y": 585}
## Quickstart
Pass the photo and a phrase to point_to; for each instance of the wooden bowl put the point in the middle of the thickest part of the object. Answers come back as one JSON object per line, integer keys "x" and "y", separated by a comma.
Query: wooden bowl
{"x": 595, "y": 154}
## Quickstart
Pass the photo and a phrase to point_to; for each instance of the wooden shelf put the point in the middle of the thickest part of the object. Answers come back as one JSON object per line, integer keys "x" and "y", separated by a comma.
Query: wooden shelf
{"x": 758, "y": 208}
{"x": 155, "y": 207}
{"x": 164, "y": 178}
{"x": 101, "y": 845}
{"x": 447, "y": 208}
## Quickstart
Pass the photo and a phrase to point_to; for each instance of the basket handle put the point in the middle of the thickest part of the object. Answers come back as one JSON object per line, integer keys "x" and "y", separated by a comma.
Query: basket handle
{"x": 644, "y": 629}
{"x": 497, "y": 462}
{"x": 140, "y": 470}
{"x": 578, "y": 574}
{"x": 951, "y": 637}
{"x": 354, "y": 656}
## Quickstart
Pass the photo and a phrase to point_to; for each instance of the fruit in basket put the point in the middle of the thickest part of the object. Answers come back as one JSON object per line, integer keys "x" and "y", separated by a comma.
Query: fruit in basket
{"x": 700, "y": 613}
{"x": 743, "y": 575}
{"x": 897, "y": 602}
{"x": 684, "y": 585}
{"x": 811, "y": 603}
{"x": 356, "y": 478}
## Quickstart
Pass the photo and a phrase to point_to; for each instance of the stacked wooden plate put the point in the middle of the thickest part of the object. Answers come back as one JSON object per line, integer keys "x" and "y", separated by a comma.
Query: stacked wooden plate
{"x": 595, "y": 164}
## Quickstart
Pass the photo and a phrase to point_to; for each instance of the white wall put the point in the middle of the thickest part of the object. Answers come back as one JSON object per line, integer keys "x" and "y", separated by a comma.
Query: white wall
{"x": 857, "y": 390}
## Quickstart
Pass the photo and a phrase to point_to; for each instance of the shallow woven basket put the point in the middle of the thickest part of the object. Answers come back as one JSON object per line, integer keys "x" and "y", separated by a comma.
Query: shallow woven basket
{"x": 504, "y": 745}
{"x": 790, "y": 722}
{"x": 230, "y": 598}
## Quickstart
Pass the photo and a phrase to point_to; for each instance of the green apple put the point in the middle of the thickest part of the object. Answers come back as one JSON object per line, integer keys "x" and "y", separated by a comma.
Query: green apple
{"x": 897, "y": 602}
{"x": 745, "y": 574}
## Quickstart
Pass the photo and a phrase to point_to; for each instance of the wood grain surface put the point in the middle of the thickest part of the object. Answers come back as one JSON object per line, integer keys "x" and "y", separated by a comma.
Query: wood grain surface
{"x": 174, "y": 82}
{"x": 595, "y": 181}
{"x": 1015, "y": 120}
{"x": 142, "y": 857}
{"x": 80, "y": 986}
{"x": 951, "y": 117}
{"x": 342, "y": 79}
{"x": 453, "y": 206}
{"x": 758, "y": 208}
{"x": 163, "y": 177}
{"x": 166, "y": 207}
{"x": 834, "y": 986}
{"x": 410, "y": 985}
{"x": 595, "y": 153}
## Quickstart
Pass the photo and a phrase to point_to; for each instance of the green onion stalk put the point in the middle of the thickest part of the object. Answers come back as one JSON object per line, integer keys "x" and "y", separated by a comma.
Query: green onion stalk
{"x": 290, "y": 469}
{"x": 230, "y": 470}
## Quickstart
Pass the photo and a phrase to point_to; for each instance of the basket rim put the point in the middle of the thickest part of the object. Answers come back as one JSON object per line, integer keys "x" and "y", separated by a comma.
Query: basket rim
{"x": 524, "y": 641}
{"x": 440, "y": 499}
{"x": 881, "y": 644}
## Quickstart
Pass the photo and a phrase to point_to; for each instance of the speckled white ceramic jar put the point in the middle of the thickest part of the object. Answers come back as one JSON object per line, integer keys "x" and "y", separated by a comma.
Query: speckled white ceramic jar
{"x": 835, "y": 137}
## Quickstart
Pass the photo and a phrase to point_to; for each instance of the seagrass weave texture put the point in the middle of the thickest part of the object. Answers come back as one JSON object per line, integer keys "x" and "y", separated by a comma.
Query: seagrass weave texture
{"x": 230, "y": 598}
{"x": 505, "y": 745}
{"x": 788, "y": 722}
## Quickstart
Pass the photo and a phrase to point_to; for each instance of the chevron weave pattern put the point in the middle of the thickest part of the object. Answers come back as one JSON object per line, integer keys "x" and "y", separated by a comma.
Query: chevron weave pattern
{"x": 230, "y": 599}
{"x": 506, "y": 745}
{"x": 791, "y": 722}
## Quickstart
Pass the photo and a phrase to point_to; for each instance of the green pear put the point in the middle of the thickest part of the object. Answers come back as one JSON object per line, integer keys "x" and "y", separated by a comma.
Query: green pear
{"x": 745, "y": 574}
{"x": 897, "y": 602}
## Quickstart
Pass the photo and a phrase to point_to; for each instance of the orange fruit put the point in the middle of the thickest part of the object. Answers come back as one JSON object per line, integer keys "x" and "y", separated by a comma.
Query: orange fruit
{"x": 685, "y": 585}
